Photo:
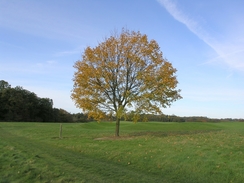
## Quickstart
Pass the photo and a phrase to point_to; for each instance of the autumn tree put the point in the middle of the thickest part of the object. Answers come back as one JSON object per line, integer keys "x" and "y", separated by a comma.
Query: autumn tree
{"x": 124, "y": 72}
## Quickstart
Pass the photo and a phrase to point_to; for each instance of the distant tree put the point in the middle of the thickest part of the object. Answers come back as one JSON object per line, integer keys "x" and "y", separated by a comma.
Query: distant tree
{"x": 45, "y": 109}
{"x": 65, "y": 116}
{"x": 56, "y": 115}
{"x": 18, "y": 104}
{"x": 124, "y": 72}
{"x": 4, "y": 85}
{"x": 80, "y": 117}
{"x": 61, "y": 115}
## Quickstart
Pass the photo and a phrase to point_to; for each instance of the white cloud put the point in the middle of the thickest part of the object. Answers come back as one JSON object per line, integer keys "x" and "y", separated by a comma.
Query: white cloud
{"x": 75, "y": 51}
{"x": 50, "y": 62}
{"x": 229, "y": 46}
{"x": 189, "y": 22}
{"x": 43, "y": 67}
{"x": 29, "y": 67}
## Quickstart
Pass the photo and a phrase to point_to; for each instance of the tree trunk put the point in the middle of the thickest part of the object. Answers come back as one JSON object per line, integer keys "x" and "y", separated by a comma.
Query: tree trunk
{"x": 117, "y": 127}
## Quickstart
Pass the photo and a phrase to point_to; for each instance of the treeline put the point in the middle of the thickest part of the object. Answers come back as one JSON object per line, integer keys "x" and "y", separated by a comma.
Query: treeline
{"x": 134, "y": 117}
{"x": 18, "y": 104}
{"x": 174, "y": 118}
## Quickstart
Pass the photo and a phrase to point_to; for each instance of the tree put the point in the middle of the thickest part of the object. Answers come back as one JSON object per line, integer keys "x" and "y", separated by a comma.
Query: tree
{"x": 125, "y": 72}
{"x": 61, "y": 115}
{"x": 4, "y": 85}
{"x": 18, "y": 104}
{"x": 45, "y": 107}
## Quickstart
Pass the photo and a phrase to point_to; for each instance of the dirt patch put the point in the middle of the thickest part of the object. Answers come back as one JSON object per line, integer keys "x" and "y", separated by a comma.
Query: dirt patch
{"x": 114, "y": 138}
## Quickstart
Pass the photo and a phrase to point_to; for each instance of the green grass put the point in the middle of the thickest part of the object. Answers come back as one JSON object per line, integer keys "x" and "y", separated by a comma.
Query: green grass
{"x": 145, "y": 152}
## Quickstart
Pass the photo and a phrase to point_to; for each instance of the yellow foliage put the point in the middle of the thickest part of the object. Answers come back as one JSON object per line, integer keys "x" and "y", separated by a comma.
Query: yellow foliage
{"x": 125, "y": 70}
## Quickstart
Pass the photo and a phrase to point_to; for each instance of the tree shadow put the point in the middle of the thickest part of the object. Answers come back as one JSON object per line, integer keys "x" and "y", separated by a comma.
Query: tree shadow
{"x": 170, "y": 133}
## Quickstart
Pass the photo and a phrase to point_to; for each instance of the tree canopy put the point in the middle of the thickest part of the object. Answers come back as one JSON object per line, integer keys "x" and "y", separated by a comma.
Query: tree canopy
{"x": 124, "y": 72}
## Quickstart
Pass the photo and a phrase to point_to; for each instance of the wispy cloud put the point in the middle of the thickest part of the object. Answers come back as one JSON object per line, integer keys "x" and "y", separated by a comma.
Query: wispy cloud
{"x": 42, "y": 19}
{"x": 75, "y": 51}
{"x": 215, "y": 94}
{"x": 51, "y": 62}
{"x": 229, "y": 50}
{"x": 45, "y": 65}
{"x": 28, "y": 67}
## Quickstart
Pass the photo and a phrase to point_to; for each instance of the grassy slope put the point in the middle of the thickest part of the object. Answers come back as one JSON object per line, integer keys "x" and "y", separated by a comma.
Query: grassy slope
{"x": 146, "y": 152}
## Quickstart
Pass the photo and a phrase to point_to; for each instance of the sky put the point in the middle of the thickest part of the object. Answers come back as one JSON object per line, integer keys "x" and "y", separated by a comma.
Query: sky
{"x": 204, "y": 40}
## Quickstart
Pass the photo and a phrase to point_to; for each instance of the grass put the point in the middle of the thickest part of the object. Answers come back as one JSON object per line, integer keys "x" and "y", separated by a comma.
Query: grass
{"x": 145, "y": 152}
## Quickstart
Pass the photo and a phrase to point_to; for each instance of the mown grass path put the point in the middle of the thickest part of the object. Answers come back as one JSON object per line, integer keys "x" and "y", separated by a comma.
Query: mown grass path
{"x": 41, "y": 162}
{"x": 146, "y": 152}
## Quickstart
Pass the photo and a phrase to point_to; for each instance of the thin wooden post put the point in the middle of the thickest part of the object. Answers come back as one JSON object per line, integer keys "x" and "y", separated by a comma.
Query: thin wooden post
{"x": 60, "y": 131}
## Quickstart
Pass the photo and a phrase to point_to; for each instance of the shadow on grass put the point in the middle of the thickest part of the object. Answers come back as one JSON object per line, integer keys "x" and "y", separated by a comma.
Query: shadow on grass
{"x": 170, "y": 133}
{"x": 133, "y": 135}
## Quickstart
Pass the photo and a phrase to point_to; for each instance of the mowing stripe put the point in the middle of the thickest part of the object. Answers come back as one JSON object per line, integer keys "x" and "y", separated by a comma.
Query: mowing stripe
{"x": 79, "y": 167}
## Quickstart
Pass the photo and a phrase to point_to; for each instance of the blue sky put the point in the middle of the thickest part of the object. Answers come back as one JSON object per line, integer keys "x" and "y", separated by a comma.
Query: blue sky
{"x": 41, "y": 40}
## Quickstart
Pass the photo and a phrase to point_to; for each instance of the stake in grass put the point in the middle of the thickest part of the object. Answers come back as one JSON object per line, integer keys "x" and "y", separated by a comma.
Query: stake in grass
{"x": 124, "y": 72}
{"x": 60, "y": 131}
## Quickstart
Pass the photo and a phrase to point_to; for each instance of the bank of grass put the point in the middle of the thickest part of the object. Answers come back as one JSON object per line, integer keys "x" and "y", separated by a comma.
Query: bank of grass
{"x": 145, "y": 152}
